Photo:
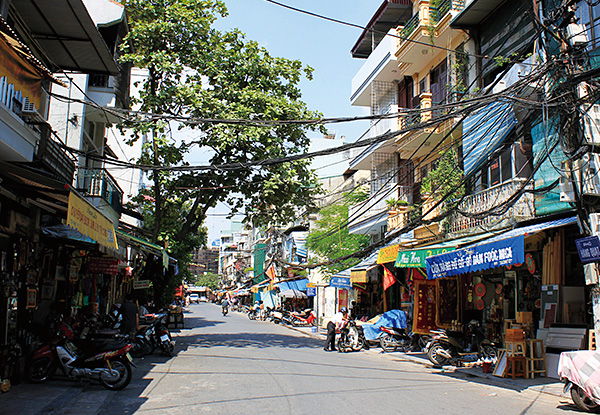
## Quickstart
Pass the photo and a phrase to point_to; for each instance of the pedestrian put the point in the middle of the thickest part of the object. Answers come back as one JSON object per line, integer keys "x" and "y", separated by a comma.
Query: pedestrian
{"x": 334, "y": 324}
{"x": 130, "y": 324}
{"x": 261, "y": 307}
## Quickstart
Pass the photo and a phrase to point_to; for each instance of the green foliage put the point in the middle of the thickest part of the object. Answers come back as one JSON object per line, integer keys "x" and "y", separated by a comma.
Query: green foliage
{"x": 445, "y": 179}
{"x": 199, "y": 73}
{"x": 209, "y": 280}
{"x": 329, "y": 237}
{"x": 394, "y": 203}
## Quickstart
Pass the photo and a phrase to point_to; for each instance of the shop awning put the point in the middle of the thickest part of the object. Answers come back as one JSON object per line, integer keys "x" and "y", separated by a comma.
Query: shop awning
{"x": 299, "y": 285}
{"x": 484, "y": 131}
{"x": 507, "y": 248}
{"x": 359, "y": 272}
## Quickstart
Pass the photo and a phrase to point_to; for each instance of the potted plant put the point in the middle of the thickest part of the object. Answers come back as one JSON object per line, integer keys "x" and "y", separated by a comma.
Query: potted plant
{"x": 396, "y": 206}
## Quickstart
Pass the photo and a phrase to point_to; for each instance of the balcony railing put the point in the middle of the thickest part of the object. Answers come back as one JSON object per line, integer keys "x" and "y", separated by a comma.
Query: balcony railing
{"x": 485, "y": 200}
{"x": 438, "y": 12}
{"x": 55, "y": 158}
{"x": 100, "y": 183}
{"x": 409, "y": 27}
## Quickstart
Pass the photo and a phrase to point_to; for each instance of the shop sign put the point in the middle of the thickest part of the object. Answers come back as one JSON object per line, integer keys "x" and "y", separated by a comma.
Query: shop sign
{"x": 311, "y": 291}
{"x": 388, "y": 254}
{"x": 103, "y": 266}
{"x": 88, "y": 220}
{"x": 477, "y": 258}
{"x": 416, "y": 258}
{"x": 588, "y": 249}
{"x": 359, "y": 276}
{"x": 311, "y": 284}
{"x": 141, "y": 284}
{"x": 340, "y": 282}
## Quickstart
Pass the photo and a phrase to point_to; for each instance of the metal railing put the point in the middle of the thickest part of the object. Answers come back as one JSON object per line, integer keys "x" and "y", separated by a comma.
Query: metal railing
{"x": 100, "y": 183}
{"x": 487, "y": 199}
{"x": 436, "y": 13}
{"x": 409, "y": 27}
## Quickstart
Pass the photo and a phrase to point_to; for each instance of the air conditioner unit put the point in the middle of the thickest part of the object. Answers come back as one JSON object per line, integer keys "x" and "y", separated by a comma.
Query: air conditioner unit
{"x": 576, "y": 34}
{"x": 591, "y": 124}
{"x": 590, "y": 174}
{"x": 28, "y": 108}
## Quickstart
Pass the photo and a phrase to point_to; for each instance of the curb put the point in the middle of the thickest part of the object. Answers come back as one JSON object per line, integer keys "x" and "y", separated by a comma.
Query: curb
{"x": 495, "y": 380}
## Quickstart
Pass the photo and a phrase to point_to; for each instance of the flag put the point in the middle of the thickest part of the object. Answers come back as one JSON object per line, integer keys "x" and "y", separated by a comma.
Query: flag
{"x": 271, "y": 272}
{"x": 388, "y": 278}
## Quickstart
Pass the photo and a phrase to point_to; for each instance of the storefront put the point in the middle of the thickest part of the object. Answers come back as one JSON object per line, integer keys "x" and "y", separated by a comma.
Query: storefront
{"x": 528, "y": 276}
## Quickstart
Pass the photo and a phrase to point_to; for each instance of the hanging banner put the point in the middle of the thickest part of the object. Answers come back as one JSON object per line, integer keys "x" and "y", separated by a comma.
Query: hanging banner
{"x": 89, "y": 221}
{"x": 388, "y": 254}
{"x": 108, "y": 266}
{"x": 477, "y": 258}
{"x": 425, "y": 307}
{"x": 359, "y": 276}
{"x": 416, "y": 258}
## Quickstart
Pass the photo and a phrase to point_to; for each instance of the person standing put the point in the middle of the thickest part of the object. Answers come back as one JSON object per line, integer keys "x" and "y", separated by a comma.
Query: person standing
{"x": 334, "y": 324}
{"x": 130, "y": 324}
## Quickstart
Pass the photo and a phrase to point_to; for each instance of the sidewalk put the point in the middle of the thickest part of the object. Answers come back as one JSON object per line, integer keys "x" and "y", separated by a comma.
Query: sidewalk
{"x": 549, "y": 386}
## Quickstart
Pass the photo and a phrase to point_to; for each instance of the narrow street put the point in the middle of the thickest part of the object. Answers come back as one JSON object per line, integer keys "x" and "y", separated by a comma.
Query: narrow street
{"x": 230, "y": 365}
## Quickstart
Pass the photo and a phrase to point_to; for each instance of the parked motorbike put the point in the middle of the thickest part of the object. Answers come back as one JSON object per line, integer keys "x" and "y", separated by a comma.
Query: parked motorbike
{"x": 456, "y": 347}
{"x": 351, "y": 338}
{"x": 307, "y": 318}
{"x": 252, "y": 314}
{"x": 106, "y": 361}
{"x": 393, "y": 339}
{"x": 155, "y": 335}
{"x": 580, "y": 378}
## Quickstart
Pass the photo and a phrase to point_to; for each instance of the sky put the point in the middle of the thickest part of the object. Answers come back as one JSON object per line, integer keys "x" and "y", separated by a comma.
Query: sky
{"x": 321, "y": 44}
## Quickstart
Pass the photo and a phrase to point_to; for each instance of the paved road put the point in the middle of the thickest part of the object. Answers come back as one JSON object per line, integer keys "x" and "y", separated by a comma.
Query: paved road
{"x": 231, "y": 365}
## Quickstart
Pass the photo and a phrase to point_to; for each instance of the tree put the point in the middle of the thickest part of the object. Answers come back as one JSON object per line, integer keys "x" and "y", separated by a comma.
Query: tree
{"x": 329, "y": 238}
{"x": 209, "y": 280}
{"x": 198, "y": 73}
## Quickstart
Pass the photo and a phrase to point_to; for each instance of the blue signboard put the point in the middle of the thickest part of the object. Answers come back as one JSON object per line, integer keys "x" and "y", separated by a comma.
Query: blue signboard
{"x": 589, "y": 249}
{"x": 477, "y": 258}
{"x": 340, "y": 282}
{"x": 311, "y": 291}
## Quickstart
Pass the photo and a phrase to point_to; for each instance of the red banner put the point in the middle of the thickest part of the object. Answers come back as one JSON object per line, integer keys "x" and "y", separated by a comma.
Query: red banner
{"x": 425, "y": 306}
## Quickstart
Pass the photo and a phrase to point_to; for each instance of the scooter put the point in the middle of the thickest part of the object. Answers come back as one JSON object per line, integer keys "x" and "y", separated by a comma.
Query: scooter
{"x": 108, "y": 361}
{"x": 155, "y": 335}
{"x": 224, "y": 310}
{"x": 456, "y": 347}
{"x": 351, "y": 338}
{"x": 306, "y": 319}
{"x": 393, "y": 338}
{"x": 252, "y": 314}
{"x": 580, "y": 378}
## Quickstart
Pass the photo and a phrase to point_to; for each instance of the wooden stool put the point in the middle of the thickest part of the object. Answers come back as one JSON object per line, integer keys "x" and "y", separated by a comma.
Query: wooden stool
{"x": 516, "y": 366}
{"x": 516, "y": 348}
{"x": 536, "y": 358}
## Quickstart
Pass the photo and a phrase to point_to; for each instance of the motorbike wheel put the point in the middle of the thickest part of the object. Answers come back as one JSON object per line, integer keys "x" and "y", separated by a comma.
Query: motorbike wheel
{"x": 434, "y": 356}
{"x": 40, "y": 370}
{"x": 582, "y": 401}
{"x": 140, "y": 348}
{"x": 423, "y": 340}
{"x": 121, "y": 366}
{"x": 388, "y": 343}
{"x": 252, "y": 316}
{"x": 294, "y": 322}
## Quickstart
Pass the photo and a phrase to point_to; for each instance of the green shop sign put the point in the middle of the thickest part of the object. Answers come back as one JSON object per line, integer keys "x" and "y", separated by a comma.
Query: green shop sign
{"x": 416, "y": 258}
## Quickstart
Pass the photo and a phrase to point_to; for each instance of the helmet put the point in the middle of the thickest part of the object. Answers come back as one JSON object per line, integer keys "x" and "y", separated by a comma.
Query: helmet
{"x": 473, "y": 323}
{"x": 344, "y": 310}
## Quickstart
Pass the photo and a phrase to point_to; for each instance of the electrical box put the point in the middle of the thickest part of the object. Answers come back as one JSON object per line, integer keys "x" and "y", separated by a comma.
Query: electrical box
{"x": 565, "y": 186}
{"x": 590, "y": 116}
{"x": 576, "y": 34}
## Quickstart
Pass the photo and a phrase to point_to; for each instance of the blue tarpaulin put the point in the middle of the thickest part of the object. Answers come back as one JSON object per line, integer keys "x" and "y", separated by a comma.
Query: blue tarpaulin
{"x": 299, "y": 285}
{"x": 392, "y": 318}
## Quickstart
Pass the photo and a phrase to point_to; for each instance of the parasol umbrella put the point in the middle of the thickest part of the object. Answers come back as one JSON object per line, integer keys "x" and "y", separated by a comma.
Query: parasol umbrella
{"x": 292, "y": 294}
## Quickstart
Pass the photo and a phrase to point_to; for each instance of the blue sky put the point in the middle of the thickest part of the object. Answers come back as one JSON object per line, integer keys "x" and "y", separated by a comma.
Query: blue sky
{"x": 321, "y": 44}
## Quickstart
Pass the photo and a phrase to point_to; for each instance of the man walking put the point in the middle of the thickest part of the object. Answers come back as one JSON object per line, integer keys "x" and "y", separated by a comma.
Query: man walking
{"x": 335, "y": 323}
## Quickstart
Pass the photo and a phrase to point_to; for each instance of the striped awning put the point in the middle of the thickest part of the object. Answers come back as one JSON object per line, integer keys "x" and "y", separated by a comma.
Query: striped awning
{"x": 484, "y": 131}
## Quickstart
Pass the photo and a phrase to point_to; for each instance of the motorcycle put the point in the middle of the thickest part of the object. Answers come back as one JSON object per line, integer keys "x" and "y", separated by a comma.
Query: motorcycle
{"x": 351, "y": 338}
{"x": 308, "y": 318}
{"x": 393, "y": 338}
{"x": 155, "y": 335}
{"x": 456, "y": 347}
{"x": 252, "y": 314}
{"x": 580, "y": 379}
{"x": 106, "y": 361}
{"x": 224, "y": 310}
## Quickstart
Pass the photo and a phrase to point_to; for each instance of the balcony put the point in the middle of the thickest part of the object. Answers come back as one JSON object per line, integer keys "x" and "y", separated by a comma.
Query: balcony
{"x": 429, "y": 26}
{"x": 380, "y": 66}
{"x": 370, "y": 216}
{"x": 99, "y": 184}
{"x": 50, "y": 153}
{"x": 481, "y": 202}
